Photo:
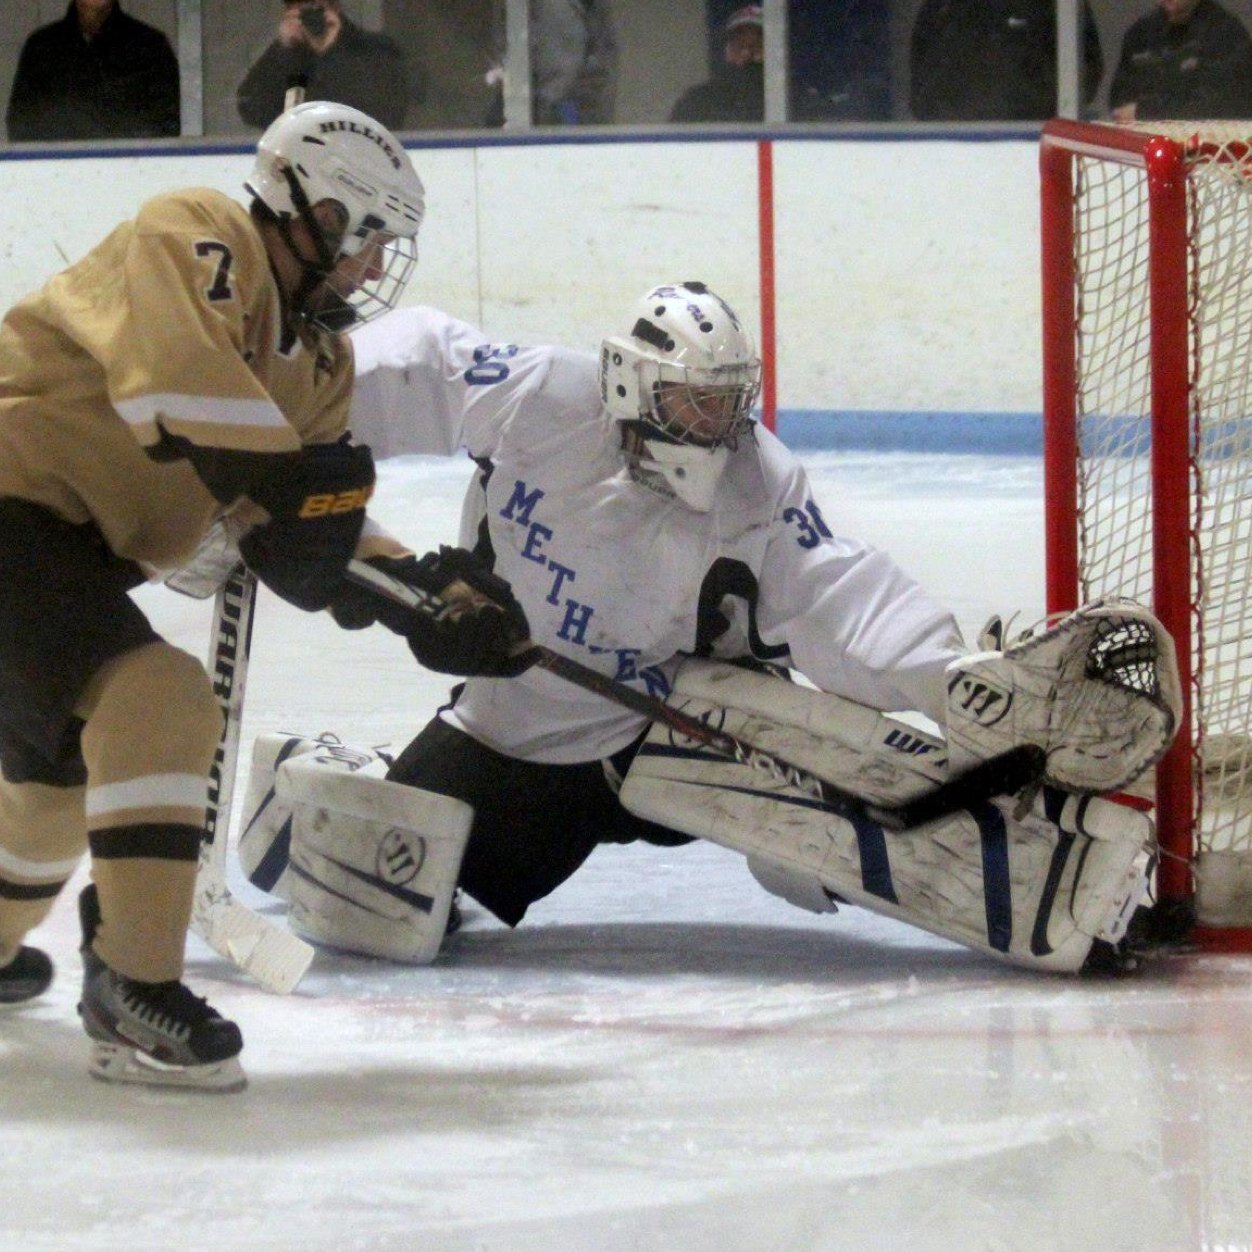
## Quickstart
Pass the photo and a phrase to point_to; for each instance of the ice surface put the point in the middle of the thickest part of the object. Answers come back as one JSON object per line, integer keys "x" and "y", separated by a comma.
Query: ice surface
{"x": 662, "y": 1056}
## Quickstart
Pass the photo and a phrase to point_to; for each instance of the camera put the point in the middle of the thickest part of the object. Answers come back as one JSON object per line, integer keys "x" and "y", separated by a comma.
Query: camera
{"x": 313, "y": 19}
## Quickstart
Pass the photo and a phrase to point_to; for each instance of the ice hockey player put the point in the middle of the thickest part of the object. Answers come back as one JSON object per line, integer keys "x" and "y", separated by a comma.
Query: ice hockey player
{"x": 653, "y": 531}
{"x": 191, "y": 368}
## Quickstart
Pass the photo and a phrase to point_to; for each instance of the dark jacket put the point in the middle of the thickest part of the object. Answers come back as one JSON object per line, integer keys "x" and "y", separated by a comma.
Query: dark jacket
{"x": 121, "y": 85}
{"x": 734, "y": 94}
{"x": 364, "y": 70}
{"x": 1201, "y": 68}
{"x": 992, "y": 60}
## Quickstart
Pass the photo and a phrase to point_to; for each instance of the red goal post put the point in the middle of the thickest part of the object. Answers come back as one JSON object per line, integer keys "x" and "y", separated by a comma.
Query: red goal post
{"x": 1147, "y": 354}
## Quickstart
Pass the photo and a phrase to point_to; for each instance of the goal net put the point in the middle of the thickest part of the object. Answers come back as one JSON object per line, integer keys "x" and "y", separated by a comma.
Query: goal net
{"x": 1147, "y": 310}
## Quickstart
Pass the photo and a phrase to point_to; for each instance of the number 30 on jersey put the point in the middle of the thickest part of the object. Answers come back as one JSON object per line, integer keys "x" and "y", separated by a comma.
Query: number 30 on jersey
{"x": 810, "y": 523}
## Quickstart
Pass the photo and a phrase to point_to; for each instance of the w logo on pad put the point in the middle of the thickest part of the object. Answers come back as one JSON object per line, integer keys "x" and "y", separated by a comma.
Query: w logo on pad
{"x": 401, "y": 855}
{"x": 979, "y": 699}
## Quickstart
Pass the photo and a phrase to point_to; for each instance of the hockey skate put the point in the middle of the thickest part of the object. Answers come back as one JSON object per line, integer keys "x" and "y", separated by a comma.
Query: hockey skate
{"x": 26, "y": 976}
{"x": 158, "y": 1034}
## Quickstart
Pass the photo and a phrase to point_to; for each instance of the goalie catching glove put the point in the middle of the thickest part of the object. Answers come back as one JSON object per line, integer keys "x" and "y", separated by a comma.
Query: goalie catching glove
{"x": 473, "y": 626}
{"x": 1098, "y": 691}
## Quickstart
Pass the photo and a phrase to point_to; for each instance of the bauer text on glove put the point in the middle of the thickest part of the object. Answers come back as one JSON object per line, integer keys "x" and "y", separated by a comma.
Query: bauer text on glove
{"x": 317, "y": 509}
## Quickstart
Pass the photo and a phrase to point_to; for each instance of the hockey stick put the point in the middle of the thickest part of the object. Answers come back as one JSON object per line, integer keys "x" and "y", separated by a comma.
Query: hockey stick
{"x": 275, "y": 957}
{"x": 1005, "y": 774}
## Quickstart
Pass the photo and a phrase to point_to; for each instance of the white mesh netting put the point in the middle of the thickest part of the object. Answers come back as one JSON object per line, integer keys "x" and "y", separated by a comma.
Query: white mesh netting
{"x": 1114, "y": 363}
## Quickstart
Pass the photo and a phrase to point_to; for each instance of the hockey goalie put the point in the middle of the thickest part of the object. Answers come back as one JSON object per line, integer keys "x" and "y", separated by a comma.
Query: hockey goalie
{"x": 1047, "y": 876}
{"x": 653, "y": 532}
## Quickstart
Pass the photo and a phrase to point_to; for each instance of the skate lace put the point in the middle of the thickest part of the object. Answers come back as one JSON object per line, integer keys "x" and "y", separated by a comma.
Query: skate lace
{"x": 168, "y": 1007}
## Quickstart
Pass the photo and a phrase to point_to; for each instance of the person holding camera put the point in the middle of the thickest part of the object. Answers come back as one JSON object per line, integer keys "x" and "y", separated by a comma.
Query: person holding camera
{"x": 335, "y": 59}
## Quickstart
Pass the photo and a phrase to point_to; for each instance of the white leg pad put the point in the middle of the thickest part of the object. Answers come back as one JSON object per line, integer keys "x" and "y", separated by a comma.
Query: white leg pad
{"x": 374, "y": 864}
{"x": 1034, "y": 891}
{"x": 265, "y": 838}
{"x": 880, "y": 758}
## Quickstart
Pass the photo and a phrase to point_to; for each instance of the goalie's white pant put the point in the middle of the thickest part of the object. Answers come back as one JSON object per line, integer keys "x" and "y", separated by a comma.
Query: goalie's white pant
{"x": 1035, "y": 891}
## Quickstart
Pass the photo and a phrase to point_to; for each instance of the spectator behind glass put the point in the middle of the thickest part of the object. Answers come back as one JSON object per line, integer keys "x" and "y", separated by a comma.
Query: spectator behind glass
{"x": 573, "y": 63}
{"x": 992, "y": 60}
{"x": 840, "y": 60}
{"x": 336, "y": 59}
{"x": 1188, "y": 59}
{"x": 95, "y": 74}
{"x": 736, "y": 92}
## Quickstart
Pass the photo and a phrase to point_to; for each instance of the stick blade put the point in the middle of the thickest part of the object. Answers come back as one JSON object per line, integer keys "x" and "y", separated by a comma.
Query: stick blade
{"x": 274, "y": 957}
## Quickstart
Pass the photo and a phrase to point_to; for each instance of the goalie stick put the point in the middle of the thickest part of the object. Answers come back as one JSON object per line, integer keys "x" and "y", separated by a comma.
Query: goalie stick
{"x": 272, "y": 955}
{"x": 1005, "y": 774}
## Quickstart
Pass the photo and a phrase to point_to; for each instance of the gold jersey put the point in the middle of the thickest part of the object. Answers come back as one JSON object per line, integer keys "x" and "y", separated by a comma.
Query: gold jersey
{"x": 169, "y": 332}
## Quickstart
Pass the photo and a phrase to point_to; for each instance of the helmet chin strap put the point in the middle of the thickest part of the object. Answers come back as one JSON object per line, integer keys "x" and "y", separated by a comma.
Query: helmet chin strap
{"x": 312, "y": 276}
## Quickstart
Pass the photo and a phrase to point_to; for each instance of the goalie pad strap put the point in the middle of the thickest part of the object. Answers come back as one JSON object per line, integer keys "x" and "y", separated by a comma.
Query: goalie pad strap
{"x": 275, "y": 851}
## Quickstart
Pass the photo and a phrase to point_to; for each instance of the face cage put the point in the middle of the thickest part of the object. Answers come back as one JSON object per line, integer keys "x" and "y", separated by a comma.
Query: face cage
{"x": 721, "y": 400}
{"x": 367, "y": 283}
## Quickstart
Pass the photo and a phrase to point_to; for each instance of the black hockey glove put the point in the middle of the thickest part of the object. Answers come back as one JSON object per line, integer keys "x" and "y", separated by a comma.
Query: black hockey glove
{"x": 477, "y": 630}
{"x": 317, "y": 509}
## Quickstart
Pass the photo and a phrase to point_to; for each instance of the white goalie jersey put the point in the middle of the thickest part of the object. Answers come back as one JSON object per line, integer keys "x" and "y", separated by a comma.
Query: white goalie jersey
{"x": 622, "y": 578}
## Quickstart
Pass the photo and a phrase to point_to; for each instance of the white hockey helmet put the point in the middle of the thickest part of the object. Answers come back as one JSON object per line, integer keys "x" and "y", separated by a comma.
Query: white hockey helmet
{"x": 683, "y": 384}
{"x": 325, "y": 151}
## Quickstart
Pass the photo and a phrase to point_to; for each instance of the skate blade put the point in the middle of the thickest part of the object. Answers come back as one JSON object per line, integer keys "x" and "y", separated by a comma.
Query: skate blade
{"x": 115, "y": 1062}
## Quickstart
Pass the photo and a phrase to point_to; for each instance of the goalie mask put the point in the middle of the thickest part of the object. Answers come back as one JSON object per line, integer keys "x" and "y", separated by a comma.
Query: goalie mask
{"x": 682, "y": 384}
{"x": 321, "y": 151}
